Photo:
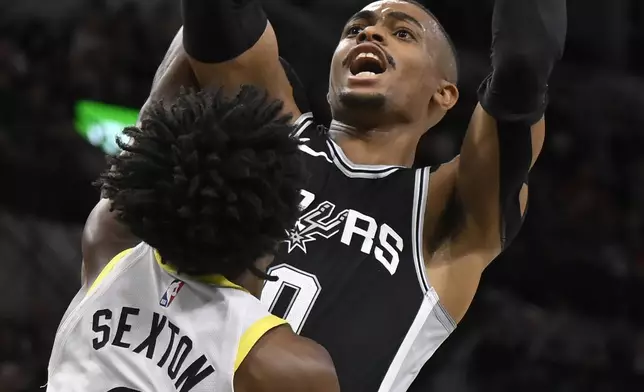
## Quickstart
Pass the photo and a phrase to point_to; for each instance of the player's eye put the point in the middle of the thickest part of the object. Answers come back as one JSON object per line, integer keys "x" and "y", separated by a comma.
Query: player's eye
{"x": 404, "y": 34}
{"x": 354, "y": 30}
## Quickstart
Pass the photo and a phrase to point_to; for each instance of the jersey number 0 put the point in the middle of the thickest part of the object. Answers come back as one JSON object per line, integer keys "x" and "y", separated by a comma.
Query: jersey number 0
{"x": 292, "y": 296}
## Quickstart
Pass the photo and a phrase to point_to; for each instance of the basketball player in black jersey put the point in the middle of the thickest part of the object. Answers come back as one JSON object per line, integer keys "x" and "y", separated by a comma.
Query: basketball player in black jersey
{"x": 385, "y": 260}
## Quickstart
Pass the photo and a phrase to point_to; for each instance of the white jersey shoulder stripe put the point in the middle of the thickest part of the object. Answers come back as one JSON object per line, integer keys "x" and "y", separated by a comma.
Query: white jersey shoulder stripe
{"x": 344, "y": 164}
{"x": 302, "y": 124}
{"x": 432, "y": 324}
{"x": 421, "y": 188}
{"x": 427, "y": 332}
{"x": 308, "y": 150}
{"x": 353, "y": 170}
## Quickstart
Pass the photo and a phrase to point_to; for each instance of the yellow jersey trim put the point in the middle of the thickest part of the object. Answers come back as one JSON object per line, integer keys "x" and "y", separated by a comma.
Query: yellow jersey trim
{"x": 108, "y": 268}
{"x": 252, "y": 335}
{"x": 216, "y": 279}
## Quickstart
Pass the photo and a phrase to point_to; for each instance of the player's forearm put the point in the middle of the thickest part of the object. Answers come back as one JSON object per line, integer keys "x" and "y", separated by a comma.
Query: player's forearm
{"x": 528, "y": 39}
{"x": 506, "y": 134}
{"x": 216, "y": 31}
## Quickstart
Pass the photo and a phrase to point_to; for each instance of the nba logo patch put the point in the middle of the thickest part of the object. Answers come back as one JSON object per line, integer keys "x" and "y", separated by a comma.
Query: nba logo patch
{"x": 171, "y": 293}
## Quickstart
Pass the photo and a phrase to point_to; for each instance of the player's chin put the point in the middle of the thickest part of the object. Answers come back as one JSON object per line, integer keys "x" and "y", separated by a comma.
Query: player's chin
{"x": 362, "y": 98}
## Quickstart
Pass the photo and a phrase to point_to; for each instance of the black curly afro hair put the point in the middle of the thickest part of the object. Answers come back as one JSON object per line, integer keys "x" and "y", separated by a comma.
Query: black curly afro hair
{"x": 212, "y": 183}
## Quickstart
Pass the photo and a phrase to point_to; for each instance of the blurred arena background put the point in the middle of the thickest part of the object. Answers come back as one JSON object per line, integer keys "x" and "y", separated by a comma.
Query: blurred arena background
{"x": 562, "y": 310}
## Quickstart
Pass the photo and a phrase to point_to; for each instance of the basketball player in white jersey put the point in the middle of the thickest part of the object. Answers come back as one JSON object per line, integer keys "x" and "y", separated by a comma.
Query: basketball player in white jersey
{"x": 210, "y": 186}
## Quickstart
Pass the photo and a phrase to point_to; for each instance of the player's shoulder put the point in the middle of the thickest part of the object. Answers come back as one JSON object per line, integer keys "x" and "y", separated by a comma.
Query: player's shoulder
{"x": 103, "y": 238}
{"x": 284, "y": 361}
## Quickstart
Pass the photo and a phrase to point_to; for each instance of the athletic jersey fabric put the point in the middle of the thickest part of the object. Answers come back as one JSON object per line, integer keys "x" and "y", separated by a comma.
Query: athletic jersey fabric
{"x": 142, "y": 327}
{"x": 352, "y": 275}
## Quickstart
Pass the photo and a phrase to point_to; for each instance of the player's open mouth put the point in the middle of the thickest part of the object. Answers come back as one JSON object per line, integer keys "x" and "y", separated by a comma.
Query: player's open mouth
{"x": 366, "y": 64}
{"x": 367, "y": 60}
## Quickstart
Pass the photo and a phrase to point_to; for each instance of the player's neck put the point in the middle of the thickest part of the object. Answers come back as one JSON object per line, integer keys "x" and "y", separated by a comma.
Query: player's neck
{"x": 392, "y": 145}
{"x": 249, "y": 282}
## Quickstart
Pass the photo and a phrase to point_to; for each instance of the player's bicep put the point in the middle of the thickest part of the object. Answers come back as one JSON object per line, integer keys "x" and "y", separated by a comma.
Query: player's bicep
{"x": 477, "y": 173}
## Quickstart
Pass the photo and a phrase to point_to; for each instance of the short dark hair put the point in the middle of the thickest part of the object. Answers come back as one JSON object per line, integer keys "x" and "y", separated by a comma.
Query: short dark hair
{"x": 212, "y": 183}
{"x": 452, "y": 65}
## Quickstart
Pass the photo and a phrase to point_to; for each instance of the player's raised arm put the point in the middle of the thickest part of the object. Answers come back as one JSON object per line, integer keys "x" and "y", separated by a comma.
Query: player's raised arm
{"x": 283, "y": 361}
{"x": 104, "y": 236}
{"x": 230, "y": 43}
{"x": 506, "y": 133}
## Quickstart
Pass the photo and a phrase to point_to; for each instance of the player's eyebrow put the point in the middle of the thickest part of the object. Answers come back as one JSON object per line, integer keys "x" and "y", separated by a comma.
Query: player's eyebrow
{"x": 405, "y": 18}
{"x": 371, "y": 17}
{"x": 368, "y": 16}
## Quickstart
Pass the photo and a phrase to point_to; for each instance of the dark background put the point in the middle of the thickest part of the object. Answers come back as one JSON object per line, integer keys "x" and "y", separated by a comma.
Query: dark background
{"x": 560, "y": 311}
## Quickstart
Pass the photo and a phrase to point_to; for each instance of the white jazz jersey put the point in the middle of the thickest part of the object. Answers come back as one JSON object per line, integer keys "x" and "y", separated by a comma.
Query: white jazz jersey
{"x": 141, "y": 327}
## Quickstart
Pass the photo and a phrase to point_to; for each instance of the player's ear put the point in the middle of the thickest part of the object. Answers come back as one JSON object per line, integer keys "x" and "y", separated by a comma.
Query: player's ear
{"x": 328, "y": 98}
{"x": 446, "y": 95}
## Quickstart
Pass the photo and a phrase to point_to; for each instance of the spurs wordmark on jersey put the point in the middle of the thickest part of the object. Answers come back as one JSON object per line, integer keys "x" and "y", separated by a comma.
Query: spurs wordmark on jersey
{"x": 351, "y": 273}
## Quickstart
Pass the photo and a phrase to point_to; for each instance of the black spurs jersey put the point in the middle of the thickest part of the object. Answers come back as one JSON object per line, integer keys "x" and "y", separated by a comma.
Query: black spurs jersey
{"x": 351, "y": 274}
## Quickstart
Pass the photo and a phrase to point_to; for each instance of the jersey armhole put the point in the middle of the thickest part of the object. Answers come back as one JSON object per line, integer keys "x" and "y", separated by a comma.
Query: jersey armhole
{"x": 108, "y": 268}
{"x": 251, "y": 336}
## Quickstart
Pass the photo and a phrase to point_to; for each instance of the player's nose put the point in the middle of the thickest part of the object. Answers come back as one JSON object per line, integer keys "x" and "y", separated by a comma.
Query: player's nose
{"x": 371, "y": 33}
